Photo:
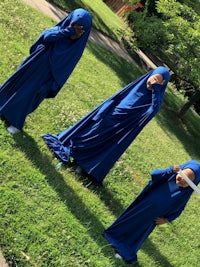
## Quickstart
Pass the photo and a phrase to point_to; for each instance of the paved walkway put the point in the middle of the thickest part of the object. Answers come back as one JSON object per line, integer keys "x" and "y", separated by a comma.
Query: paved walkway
{"x": 2, "y": 261}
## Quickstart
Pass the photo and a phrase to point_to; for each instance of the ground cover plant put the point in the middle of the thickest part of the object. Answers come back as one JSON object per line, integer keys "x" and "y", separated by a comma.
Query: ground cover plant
{"x": 52, "y": 217}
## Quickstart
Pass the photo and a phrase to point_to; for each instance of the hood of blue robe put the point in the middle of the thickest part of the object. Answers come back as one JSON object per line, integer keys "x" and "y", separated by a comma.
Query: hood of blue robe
{"x": 162, "y": 71}
{"x": 79, "y": 16}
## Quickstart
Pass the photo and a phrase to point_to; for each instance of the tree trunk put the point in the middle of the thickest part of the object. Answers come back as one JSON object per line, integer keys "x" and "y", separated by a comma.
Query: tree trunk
{"x": 191, "y": 101}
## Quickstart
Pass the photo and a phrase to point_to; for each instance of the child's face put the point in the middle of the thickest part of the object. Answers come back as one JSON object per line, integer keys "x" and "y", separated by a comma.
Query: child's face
{"x": 154, "y": 79}
{"x": 79, "y": 31}
{"x": 181, "y": 182}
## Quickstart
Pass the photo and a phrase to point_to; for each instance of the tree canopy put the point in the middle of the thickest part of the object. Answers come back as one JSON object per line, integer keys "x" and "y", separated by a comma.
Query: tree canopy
{"x": 170, "y": 30}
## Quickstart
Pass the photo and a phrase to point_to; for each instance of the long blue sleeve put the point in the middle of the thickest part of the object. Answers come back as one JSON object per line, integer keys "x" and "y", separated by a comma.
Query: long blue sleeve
{"x": 55, "y": 33}
{"x": 157, "y": 95}
{"x": 156, "y": 99}
{"x": 174, "y": 215}
{"x": 156, "y": 102}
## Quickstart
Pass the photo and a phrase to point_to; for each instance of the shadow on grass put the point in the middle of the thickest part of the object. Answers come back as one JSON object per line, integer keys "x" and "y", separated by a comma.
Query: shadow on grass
{"x": 151, "y": 250}
{"x": 108, "y": 198}
{"x": 28, "y": 145}
{"x": 186, "y": 130}
{"x": 126, "y": 71}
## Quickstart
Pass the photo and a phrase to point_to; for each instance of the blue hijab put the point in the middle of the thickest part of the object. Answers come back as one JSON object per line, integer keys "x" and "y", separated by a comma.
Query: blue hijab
{"x": 98, "y": 140}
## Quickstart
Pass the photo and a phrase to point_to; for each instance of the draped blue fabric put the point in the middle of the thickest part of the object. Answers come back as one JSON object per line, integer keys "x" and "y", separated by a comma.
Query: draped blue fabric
{"x": 42, "y": 74}
{"x": 162, "y": 197}
{"x": 98, "y": 140}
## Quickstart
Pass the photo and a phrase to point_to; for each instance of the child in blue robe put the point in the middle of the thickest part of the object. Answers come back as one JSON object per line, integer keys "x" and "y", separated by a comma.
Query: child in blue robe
{"x": 98, "y": 140}
{"x": 161, "y": 201}
{"x": 52, "y": 59}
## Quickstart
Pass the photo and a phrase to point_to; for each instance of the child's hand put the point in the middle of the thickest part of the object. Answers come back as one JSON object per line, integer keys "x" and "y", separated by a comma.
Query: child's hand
{"x": 79, "y": 29}
{"x": 176, "y": 168}
{"x": 161, "y": 220}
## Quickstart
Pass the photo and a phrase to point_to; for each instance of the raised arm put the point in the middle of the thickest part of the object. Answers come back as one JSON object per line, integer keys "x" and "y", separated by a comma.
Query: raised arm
{"x": 55, "y": 33}
{"x": 159, "y": 174}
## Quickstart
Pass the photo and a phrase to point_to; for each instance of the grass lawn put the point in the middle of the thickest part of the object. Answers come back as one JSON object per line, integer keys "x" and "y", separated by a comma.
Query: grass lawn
{"x": 51, "y": 217}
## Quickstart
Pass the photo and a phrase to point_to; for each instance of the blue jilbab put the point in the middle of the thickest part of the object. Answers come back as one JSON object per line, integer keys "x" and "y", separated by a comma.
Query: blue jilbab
{"x": 162, "y": 197}
{"x": 98, "y": 140}
{"x": 52, "y": 59}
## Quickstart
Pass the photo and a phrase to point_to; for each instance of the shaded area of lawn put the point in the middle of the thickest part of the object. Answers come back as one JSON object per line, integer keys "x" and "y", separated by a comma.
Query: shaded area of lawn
{"x": 70, "y": 198}
{"x": 123, "y": 68}
{"x": 186, "y": 129}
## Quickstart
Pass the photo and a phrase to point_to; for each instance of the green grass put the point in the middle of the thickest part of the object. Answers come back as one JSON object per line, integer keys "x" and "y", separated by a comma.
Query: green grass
{"x": 52, "y": 217}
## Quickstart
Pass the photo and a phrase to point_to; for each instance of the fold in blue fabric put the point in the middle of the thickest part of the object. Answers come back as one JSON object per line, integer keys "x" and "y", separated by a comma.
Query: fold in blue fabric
{"x": 162, "y": 197}
{"x": 98, "y": 140}
{"x": 42, "y": 74}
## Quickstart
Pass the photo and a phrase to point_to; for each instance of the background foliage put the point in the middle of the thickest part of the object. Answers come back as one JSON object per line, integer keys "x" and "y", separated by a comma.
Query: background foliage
{"x": 171, "y": 32}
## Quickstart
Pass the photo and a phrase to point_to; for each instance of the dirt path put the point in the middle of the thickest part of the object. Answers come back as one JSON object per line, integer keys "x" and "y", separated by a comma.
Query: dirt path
{"x": 2, "y": 260}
